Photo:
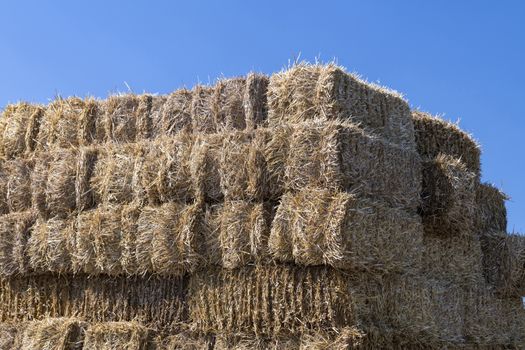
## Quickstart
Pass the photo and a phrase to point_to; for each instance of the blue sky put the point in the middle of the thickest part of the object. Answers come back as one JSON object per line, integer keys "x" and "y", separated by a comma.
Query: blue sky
{"x": 464, "y": 59}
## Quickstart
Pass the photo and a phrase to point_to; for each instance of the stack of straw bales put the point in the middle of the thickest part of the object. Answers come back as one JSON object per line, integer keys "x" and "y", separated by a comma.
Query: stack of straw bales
{"x": 306, "y": 210}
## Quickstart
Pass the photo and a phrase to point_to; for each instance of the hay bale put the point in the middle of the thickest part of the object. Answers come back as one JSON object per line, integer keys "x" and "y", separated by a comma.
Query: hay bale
{"x": 435, "y": 136}
{"x": 448, "y": 194}
{"x": 19, "y": 126}
{"x": 167, "y": 242}
{"x": 491, "y": 213}
{"x": 255, "y": 100}
{"x": 120, "y": 118}
{"x": 149, "y": 115}
{"x": 15, "y": 185}
{"x": 268, "y": 301}
{"x": 84, "y": 194}
{"x": 129, "y": 217}
{"x": 53, "y": 334}
{"x": 202, "y": 119}
{"x": 61, "y": 180}
{"x": 176, "y": 114}
{"x": 228, "y": 107}
{"x": 15, "y": 229}
{"x": 456, "y": 258}
{"x": 98, "y": 241}
{"x": 116, "y": 335}
{"x": 516, "y": 270}
{"x": 205, "y": 168}
{"x": 50, "y": 245}
{"x": 492, "y": 321}
{"x": 8, "y": 335}
{"x": 156, "y": 302}
{"x": 61, "y": 124}
{"x": 243, "y": 233}
{"x": 327, "y": 92}
{"x": 185, "y": 341}
{"x": 88, "y": 121}
{"x": 165, "y": 174}
{"x": 319, "y": 227}
{"x": 341, "y": 156}
{"x": 114, "y": 179}
{"x": 242, "y": 167}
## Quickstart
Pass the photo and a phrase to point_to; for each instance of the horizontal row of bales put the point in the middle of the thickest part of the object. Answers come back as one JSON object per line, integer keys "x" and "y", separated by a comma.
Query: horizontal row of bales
{"x": 307, "y": 210}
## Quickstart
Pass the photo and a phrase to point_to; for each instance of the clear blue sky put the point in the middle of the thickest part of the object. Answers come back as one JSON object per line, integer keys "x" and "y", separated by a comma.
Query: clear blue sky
{"x": 462, "y": 59}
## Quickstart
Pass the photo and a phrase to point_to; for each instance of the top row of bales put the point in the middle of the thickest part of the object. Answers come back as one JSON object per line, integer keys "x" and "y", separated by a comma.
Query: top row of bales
{"x": 302, "y": 93}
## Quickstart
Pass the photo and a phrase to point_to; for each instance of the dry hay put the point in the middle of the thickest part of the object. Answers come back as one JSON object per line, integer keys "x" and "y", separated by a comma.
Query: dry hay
{"x": 316, "y": 226}
{"x": 61, "y": 123}
{"x": 50, "y": 244}
{"x": 202, "y": 118}
{"x": 53, "y": 334}
{"x": 435, "y": 136}
{"x": 120, "y": 119}
{"x": 268, "y": 301}
{"x": 176, "y": 114}
{"x": 516, "y": 270}
{"x": 155, "y": 302}
{"x": 165, "y": 174}
{"x": 242, "y": 166}
{"x": 204, "y": 168}
{"x": 19, "y": 125}
{"x": 456, "y": 258}
{"x": 448, "y": 195}
{"x": 341, "y": 156}
{"x": 149, "y": 115}
{"x": 255, "y": 100}
{"x": 168, "y": 240}
{"x": 116, "y": 335}
{"x": 84, "y": 194}
{"x": 15, "y": 185}
{"x": 492, "y": 321}
{"x": 491, "y": 213}
{"x": 15, "y": 229}
{"x": 114, "y": 177}
{"x": 228, "y": 108}
{"x": 8, "y": 335}
{"x": 236, "y": 233}
{"x": 306, "y": 92}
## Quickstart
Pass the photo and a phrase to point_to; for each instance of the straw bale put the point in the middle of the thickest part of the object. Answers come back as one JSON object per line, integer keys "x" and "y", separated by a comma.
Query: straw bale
{"x": 327, "y": 92}
{"x": 255, "y": 100}
{"x": 202, "y": 118}
{"x": 53, "y": 334}
{"x": 129, "y": 217}
{"x": 341, "y": 156}
{"x": 15, "y": 229}
{"x": 114, "y": 177}
{"x": 156, "y": 302}
{"x": 120, "y": 118}
{"x": 204, "y": 167}
{"x": 276, "y": 153}
{"x": 491, "y": 213}
{"x": 184, "y": 341}
{"x": 319, "y": 227}
{"x": 492, "y": 321}
{"x": 341, "y": 339}
{"x": 98, "y": 241}
{"x": 116, "y": 335}
{"x": 61, "y": 124}
{"x": 516, "y": 248}
{"x": 268, "y": 300}
{"x": 435, "y": 136}
{"x": 84, "y": 194}
{"x": 38, "y": 180}
{"x": 228, "y": 104}
{"x": 496, "y": 260}
{"x": 88, "y": 120}
{"x": 448, "y": 194}
{"x": 8, "y": 335}
{"x": 61, "y": 182}
{"x": 15, "y": 185}
{"x": 242, "y": 166}
{"x": 167, "y": 242}
{"x": 456, "y": 258}
{"x": 176, "y": 114}
{"x": 243, "y": 233}
{"x": 19, "y": 125}
{"x": 50, "y": 244}
{"x": 165, "y": 174}
{"x": 149, "y": 115}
